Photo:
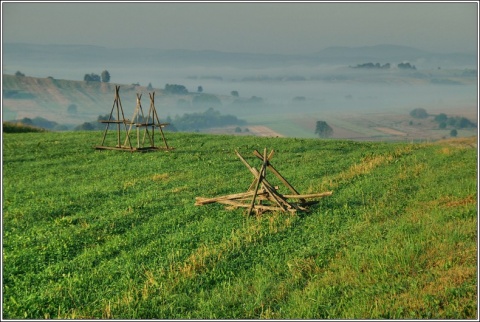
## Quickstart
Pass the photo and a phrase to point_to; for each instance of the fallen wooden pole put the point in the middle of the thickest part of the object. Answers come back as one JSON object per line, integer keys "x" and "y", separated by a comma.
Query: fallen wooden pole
{"x": 312, "y": 195}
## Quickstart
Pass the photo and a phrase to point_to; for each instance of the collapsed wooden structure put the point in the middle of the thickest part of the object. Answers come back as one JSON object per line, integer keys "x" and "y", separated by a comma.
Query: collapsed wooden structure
{"x": 261, "y": 196}
{"x": 138, "y": 122}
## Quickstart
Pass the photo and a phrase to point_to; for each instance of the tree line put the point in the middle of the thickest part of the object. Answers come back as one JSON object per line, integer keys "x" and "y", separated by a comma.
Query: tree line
{"x": 385, "y": 66}
{"x": 104, "y": 77}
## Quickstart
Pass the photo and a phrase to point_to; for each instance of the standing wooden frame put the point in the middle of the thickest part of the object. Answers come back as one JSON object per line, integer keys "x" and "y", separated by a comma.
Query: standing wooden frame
{"x": 261, "y": 195}
{"x": 119, "y": 120}
{"x": 152, "y": 120}
{"x": 139, "y": 121}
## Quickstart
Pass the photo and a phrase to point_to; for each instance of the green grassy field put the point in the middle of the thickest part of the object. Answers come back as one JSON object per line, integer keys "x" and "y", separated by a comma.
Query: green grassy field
{"x": 91, "y": 234}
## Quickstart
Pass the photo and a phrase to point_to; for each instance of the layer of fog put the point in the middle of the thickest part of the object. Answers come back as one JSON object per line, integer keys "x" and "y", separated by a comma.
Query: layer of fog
{"x": 321, "y": 88}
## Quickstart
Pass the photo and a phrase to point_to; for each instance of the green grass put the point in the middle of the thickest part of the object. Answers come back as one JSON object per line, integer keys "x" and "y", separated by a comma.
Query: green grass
{"x": 116, "y": 235}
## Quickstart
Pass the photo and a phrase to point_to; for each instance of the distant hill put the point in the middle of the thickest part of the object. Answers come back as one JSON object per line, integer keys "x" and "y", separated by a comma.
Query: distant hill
{"x": 53, "y": 99}
{"x": 395, "y": 53}
{"x": 22, "y": 54}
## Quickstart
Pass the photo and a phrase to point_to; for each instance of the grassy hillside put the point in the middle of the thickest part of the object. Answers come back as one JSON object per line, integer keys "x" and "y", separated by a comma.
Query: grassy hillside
{"x": 50, "y": 98}
{"x": 116, "y": 235}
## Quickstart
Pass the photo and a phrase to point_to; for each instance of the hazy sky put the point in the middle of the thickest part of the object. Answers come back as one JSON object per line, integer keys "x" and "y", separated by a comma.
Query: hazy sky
{"x": 274, "y": 27}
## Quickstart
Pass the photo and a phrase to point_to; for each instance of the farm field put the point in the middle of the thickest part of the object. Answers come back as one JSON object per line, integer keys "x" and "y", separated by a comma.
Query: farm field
{"x": 390, "y": 126}
{"x": 102, "y": 234}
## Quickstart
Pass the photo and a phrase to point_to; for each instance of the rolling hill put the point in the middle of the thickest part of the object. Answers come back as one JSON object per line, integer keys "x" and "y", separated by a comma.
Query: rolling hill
{"x": 101, "y": 234}
{"x": 50, "y": 98}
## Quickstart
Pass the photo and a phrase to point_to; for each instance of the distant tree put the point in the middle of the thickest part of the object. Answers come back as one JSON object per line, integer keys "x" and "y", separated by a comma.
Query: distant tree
{"x": 453, "y": 133}
{"x": 200, "y": 89}
{"x": 105, "y": 76}
{"x": 234, "y": 93}
{"x": 27, "y": 121}
{"x": 175, "y": 89}
{"x": 208, "y": 119}
{"x": 464, "y": 122}
{"x": 238, "y": 129}
{"x": 105, "y": 117}
{"x": 19, "y": 74}
{"x": 92, "y": 78}
{"x": 419, "y": 113}
{"x": 149, "y": 87}
{"x": 44, "y": 123}
{"x": 87, "y": 126}
{"x": 323, "y": 129}
{"x": 442, "y": 117}
{"x": 406, "y": 66}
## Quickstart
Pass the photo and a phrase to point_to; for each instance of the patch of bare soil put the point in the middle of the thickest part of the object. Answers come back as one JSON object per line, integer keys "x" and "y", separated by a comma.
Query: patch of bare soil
{"x": 469, "y": 142}
{"x": 342, "y": 133}
{"x": 255, "y": 130}
{"x": 390, "y": 131}
{"x": 260, "y": 130}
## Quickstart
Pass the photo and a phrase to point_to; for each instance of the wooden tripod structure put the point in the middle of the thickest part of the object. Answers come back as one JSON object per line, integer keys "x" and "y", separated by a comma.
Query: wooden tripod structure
{"x": 152, "y": 120}
{"x": 139, "y": 121}
{"x": 119, "y": 109}
{"x": 261, "y": 195}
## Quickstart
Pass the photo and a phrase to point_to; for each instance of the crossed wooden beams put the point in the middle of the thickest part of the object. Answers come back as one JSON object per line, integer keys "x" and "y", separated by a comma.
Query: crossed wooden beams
{"x": 118, "y": 104}
{"x": 261, "y": 195}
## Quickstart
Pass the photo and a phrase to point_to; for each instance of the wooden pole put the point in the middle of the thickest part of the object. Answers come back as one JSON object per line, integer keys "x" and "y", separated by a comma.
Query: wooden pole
{"x": 271, "y": 168}
{"x": 124, "y": 121}
{"x": 158, "y": 122}
{"x": 110, "y": 117}
{"x": 259, "y": 179}
{"x": 118, "y": 118}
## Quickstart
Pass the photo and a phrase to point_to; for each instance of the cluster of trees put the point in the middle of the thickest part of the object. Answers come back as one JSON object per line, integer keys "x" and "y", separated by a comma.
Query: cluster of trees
{"x": 197, "y": 121}
{"x": 457, "y": 122}
{"x": 385, "y": 66}
{"x": 96, "y": 125}
{"x": 419, "y": 113}
{"x": 406, "y": 66}
{"x": 41, "y": 122}
{"x": 444, "y": 121}
{"x": 372, "y": 65}
{"x": 103, "y": 77}
{"x": 175, "y": 89}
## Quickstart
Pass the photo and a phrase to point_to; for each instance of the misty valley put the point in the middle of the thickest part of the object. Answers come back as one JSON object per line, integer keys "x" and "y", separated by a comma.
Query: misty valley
{"x": 360, "y": 99}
